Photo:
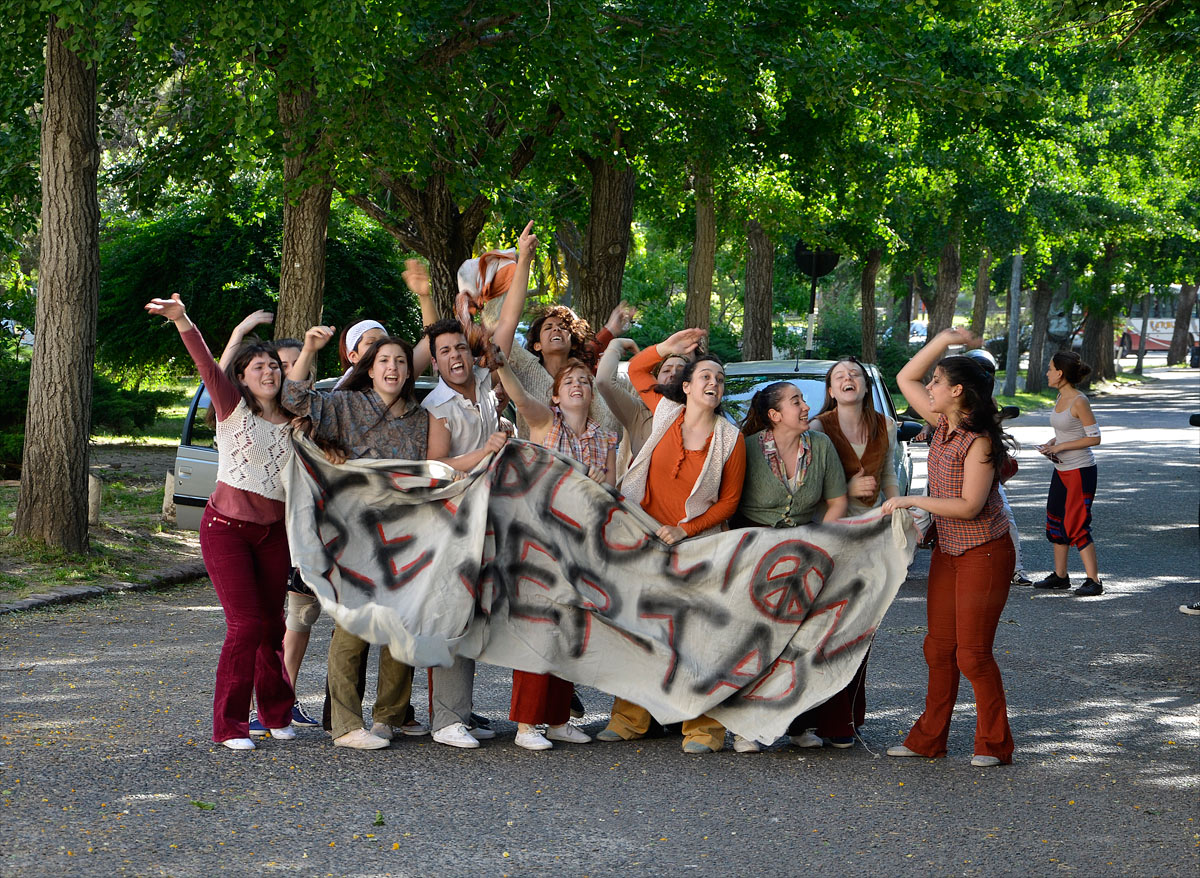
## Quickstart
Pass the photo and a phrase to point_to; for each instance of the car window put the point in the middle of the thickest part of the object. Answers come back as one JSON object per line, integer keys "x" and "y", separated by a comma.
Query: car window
{"x": 739, "y": 389}
{"x": 200, "y": 434}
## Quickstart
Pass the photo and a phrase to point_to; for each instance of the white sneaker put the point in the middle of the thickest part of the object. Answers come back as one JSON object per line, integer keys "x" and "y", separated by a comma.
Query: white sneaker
{"x": 1190, "y": 609}
{"x": 382, "y": 730}
{"x": 238, "y": 743}
{"x": 746, "y": 745}
{"x": 568, "y": 733}
{"x": 808, "y": 739}
{"x": 533, "y": 740}
{"x": 979, "y": 760}
{"x": 287, "y": 733}
{"x": 901, "y": 750}
{"x": 360, "y": 739}
{"x": 456, "y": 736}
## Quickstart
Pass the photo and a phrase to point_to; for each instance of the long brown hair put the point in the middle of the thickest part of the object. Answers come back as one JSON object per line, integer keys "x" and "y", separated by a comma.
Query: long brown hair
{"x": 764, "y": 400}
{"x": 359, "y": 380}
{"x": 876, "y": 423}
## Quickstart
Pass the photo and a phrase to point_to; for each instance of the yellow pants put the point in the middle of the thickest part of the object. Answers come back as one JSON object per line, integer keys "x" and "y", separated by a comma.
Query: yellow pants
{"x": 631, "y": 721}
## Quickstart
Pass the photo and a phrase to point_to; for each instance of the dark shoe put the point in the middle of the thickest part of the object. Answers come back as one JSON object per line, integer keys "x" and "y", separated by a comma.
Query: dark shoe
{"x": 577, "y": 710}
{"x": 1053, "y": 581}
{"x": 1090, "y": 588}
{"x": 257, "y": 729}
{"x": 842, "y": 742}
{"x": 300, "y": 718}
{"x": 1019, "y": 578}
{"x": 480, "y": 722}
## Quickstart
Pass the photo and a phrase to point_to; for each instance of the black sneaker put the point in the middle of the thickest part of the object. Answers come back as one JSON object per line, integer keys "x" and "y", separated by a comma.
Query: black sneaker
{"x": 1090, "y": 588}
{"x": 1054, "y": 581}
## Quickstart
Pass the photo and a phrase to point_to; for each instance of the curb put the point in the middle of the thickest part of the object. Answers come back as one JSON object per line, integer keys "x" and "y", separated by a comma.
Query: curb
{"x": 179, "y": 575}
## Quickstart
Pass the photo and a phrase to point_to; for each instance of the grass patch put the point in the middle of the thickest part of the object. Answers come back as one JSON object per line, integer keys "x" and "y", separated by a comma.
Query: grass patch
{"x": 131, "y": 540}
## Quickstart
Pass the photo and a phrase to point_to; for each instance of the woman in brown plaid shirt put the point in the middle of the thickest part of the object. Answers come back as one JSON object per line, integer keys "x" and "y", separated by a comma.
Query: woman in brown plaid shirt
{"x": 974, "y": 559}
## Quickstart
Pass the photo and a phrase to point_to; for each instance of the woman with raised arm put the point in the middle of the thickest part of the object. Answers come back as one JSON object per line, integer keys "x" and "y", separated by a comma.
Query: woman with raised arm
{"x": 242, "y": 537}
{"x": 973, "y": 560}
{"x": 374, "y": 415}
{"x": 568, "y": 429}
{"x": 688, "y": 478}
{"x": 1073, "y": 485}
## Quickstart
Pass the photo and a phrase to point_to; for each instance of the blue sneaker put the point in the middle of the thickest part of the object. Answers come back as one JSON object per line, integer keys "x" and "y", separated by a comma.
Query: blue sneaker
{"x": 257, "y": 729}
{"x": 300, "y": 718}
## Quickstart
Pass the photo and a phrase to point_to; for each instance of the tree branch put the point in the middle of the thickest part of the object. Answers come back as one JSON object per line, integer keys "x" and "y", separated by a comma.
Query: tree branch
{"x": 405, "y": 233}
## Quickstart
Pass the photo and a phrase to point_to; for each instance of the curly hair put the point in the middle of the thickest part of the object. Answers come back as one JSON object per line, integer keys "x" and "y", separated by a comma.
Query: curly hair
{"x": 582, "y": 336}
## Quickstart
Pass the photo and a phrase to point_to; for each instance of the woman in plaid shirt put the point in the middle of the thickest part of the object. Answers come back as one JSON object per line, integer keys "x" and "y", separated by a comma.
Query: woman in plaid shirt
{"x": 974, "y": 559}
{"x": 568, "y": 429}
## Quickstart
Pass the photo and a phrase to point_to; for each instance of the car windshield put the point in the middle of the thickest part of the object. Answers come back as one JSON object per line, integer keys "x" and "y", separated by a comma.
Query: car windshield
{"x": 740, "y": 388}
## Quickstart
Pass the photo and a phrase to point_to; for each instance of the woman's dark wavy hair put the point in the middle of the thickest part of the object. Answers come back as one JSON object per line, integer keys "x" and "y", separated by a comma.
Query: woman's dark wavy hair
{"x": 980, "y": 414}
{"x": 876, "y": 423}
{"x": 359, "y": 380}
{"x": 1072, "y": 366}
{"x": 581, "y": 334}
{"x": 674, "y": 390}
{"x": 764, "y": 400}
{"x": 246, "y": 352}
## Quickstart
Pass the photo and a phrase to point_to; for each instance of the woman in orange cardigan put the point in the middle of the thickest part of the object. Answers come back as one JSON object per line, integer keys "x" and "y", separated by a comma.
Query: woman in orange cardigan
{"x": 688, "y": 477}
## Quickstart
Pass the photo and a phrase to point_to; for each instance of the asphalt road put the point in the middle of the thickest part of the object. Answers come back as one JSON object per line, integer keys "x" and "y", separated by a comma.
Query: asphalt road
{"x": 106, "y": 767}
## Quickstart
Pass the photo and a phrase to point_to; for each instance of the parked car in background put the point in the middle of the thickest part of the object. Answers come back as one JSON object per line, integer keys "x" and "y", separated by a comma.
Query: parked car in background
{"x": 743, "y": 379}
{"x": 196, "y": 459}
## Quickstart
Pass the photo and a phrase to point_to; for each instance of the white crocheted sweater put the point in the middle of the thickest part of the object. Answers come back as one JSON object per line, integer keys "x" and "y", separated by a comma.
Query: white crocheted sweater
{"x": 252, "y": 452}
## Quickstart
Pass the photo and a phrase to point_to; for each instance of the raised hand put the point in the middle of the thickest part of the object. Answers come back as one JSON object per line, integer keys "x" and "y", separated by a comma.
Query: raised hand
{"x": 959, "y": 336}
{"x": 682, "y": 343}
{"x": 527, "y": 242}
{"x": 620, "y": 318}
{"x": 317, "y": 337}
{"x": 171, "y": 308}
{"x": 416, "y": 277}
{"x": 254, "y": 319}
{"x": 624, "y": 345}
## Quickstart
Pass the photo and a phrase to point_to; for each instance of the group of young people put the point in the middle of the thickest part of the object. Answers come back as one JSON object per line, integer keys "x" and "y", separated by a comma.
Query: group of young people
{"x": 661, "y": 436}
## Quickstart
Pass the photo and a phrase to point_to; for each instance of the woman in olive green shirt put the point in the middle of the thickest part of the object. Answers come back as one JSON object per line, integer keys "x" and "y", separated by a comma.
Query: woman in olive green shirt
{"x": 790, "y": 470}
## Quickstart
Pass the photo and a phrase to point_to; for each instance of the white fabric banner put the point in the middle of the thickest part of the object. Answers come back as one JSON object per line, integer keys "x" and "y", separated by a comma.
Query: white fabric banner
{"x": 527, "y": 563}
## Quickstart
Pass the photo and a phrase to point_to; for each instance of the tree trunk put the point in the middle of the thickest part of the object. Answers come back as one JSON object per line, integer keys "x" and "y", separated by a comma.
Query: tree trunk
{"x": 1013, "y": 359}
{"x": 1097, "y": 350}
{"x": 982, "y": 286}
{"x": 949, "y": 279}
{"x": 1183, "y": 319}
{"x": 1039, "y": 303}
{"x": 903, "y": 326}
{"x": 759, "y": 313}
{"x": 867, "y": 291}
{"x": 697, "y": 313}
{"x": 606, "y": 244}
{"x": 305, "y": 221}
{"x": 1141, "y": 354}
{"x": 52, "y": 507}
{"x": 570, "y": 245}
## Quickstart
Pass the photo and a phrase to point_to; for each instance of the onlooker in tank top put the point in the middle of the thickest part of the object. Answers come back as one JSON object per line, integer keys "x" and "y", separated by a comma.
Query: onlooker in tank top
{"x": 1073, "y": 485}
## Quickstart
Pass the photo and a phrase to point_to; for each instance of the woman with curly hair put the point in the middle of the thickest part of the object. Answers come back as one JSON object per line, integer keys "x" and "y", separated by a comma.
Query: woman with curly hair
{"x": 973, "y": 560}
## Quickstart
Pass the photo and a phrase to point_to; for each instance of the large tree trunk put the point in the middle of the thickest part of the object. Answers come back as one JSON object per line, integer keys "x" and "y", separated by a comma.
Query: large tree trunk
{"x": 982, "y": 287}
{"x": 52, "y": 507}
{"x": 759, "y": 313}
{"x": 949, "y": 280}
{"x": 867, "y": 291}
{"x": 697, "y": 313}
{"x": 606, "y": 244}
{"x": 1097, "y": 349}
{"x": 1183, "y": 318}
{"x": 305, "y": 223}
{"x": 570, "y": 246}
{"x": 903, "y": 329}
{"x": 1039, "y": 304}
{"x": 1012, "y": 363}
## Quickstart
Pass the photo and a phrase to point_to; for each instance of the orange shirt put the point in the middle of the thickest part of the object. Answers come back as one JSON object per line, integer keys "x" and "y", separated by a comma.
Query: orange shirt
{"x": 675, "y": 469}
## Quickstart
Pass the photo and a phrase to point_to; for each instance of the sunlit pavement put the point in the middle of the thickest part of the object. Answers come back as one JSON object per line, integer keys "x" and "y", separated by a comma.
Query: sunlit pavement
{"x": 108, "y": 768}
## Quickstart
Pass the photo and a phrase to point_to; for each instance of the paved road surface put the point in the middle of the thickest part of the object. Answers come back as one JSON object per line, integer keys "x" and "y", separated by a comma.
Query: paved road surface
{"x": 106, "y": 767}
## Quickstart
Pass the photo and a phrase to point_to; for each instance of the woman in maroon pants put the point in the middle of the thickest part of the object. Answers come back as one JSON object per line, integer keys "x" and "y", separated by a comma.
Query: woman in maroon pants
{"x": 974, "y": 558}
